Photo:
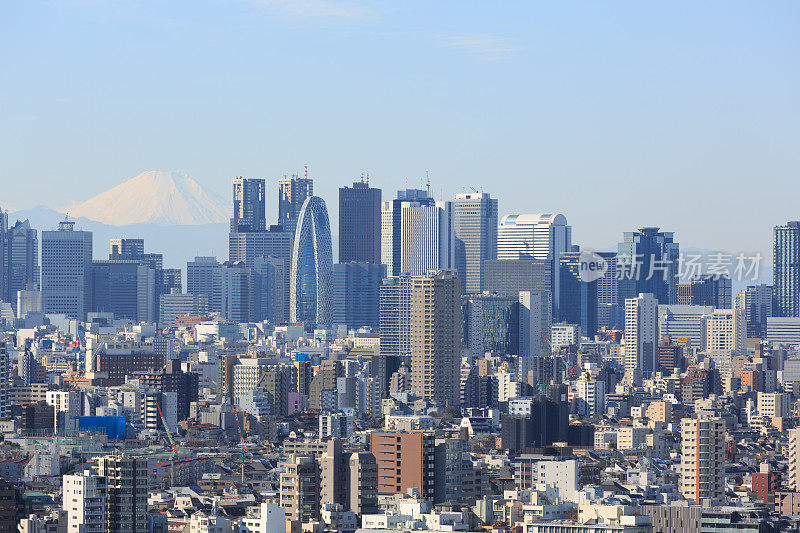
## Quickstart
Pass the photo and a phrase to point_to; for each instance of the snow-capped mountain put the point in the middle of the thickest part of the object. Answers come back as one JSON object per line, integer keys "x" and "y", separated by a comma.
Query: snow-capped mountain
{"x": 154, "y": 197}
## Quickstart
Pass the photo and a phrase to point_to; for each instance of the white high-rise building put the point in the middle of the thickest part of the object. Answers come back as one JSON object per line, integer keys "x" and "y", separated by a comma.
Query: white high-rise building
{"x": 534, "y": 323}
{"x": 84, "y": 500}
{"x": 725, "y": 332}
{"x": 475, "y": 237}
{"x": 426, "y": 238}
{"x": 590, "y": 394}
{"x": 683, "y": 322}
{"x": 67, "y": 271}
{"x": 536, "y": 236}
{"x": 641, "y": 333}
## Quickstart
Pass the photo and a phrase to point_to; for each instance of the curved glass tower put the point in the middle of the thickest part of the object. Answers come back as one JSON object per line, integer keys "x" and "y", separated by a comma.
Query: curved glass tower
{"x": 311, "y": 283}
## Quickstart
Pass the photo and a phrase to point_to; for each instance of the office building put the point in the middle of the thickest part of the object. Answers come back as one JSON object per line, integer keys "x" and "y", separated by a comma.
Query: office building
{"x": 426, "y": 237}
{"x": 757, "y": 303}
{"x": 711, "y": 290}
{"x": 641, "y": 333}
{"x": 356, "y": 294}
{"x": 360, "y": 223}
{"x": 536, "y": 236}
{"x": 491, "y": 324}
{"x": 647, "y": 262}
{"x": 120, "y": 248}
{"x": 578, "y": 297}
{"x": 783, "y": 330}
{"x": 67, "y": 271}
{"x": 236, "y": 293}
{"x": 274, "y": 275}
{"x": 292, "y": 194}
{"x": 724, "y": 332}
{"x": 608, "y": 309}
{"x": 248, "y": 205}
{"x": 391, "y": 226}
{"x": 509, "y": 277}
{"x": 786, "y": 269}
{"x": 702, "y": 474}
{"x": 436, "y": 336}
{"x": 535, "y": 320}
{"x": 22, "y": 259}
{"x": 395, "y": 316}
{"x": 126, "y": 502}
{"x": 311, "y": 276}
{"x": 405, "y": 461}
{"x": 126, "y": 288}
{"x": 683, "y": 323}
{"x": 474, "y": 237}
{"x": 200, "y": 275}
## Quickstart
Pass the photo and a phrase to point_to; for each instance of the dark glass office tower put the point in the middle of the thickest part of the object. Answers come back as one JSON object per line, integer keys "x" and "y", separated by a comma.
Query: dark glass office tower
{"x": 786, "y": 269}
{"x": 249, "y": 205}
{"x": 647, "y": 262}
{"x": 578, "y": 298}
{"x": 360, "y": 224}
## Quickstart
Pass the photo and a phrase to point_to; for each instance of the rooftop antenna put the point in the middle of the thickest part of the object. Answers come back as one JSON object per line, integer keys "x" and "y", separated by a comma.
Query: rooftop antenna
{"x": 367, "y": 177}
{"x": 362, "y": 176}
{"x": 306, "y": 171}
{"x": 428, "y": 179}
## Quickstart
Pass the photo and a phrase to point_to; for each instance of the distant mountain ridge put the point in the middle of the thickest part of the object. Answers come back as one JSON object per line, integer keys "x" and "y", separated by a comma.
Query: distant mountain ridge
{"x": 153, "y": 197}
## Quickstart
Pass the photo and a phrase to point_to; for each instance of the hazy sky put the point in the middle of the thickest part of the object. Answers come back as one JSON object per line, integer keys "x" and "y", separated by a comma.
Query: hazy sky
{"x": 684, "y": 115}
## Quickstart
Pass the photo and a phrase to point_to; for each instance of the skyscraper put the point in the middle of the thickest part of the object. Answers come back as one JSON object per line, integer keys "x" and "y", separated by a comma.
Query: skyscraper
{"x": 436, "y": 336}
{"x": 536, "y": 236}
{"x": 608, "y": 309}
{"x": 647, "y": 262}
{"x": 359, "y": 223}
{"x": 474, "y": 237}
{"x": 702, "y": 459}
{"x": 491, "y": 324}
{"x": 391, "y": 227}
{"x": 126, "y": 288}
{"x": 356, "y": 294}
{"x": 757, "y": 303}
{"x": 67, "y": 271}
{"x": 236, "y": 293}
{"x": 292, "y": 193}
{"x": 249, "y": 205}
{"x": 786, "y": 269}
{"x": 311, "y": 283}
{"x": 126, "y": 248}
{"x": 641, "y": 333}
{"x": 200, "y": 275}
{"x": 395, "y": 316}
{"x": 23, "y": 258}
{"x": 711, "y": 290}
{"x": 426, "y": 237}
{"x": 578, "y": 297}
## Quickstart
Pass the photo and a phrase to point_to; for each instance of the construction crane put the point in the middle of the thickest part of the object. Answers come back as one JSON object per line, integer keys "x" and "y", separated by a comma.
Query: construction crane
{"x": 171, "y": 443}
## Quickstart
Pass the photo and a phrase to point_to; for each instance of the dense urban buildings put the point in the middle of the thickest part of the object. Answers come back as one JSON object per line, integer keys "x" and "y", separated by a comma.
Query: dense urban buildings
{"x": 451, "y": 372}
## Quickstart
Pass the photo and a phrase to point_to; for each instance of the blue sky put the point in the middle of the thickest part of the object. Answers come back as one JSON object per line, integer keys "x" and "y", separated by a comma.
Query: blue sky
{"x": 684, "y": 115}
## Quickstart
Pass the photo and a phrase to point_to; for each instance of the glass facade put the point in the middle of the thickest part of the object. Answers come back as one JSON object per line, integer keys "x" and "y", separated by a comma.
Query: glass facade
{"x": 311, "y": 283}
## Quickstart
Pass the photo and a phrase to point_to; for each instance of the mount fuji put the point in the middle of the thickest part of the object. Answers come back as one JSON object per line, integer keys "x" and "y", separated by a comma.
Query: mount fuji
{"x": 153, "y": 197}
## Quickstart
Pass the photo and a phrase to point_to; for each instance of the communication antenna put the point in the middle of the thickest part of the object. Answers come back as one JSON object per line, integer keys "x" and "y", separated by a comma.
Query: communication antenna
{"x": 368, "y": 177}
{"x": 428, "y": 180}
{"x": 306, "y": 170}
